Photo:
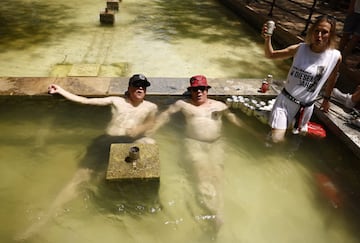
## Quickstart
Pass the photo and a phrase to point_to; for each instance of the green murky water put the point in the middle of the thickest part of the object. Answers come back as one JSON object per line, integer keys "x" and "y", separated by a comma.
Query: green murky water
{"x": 270, "y": 194}
{"x": 158, "y": 38}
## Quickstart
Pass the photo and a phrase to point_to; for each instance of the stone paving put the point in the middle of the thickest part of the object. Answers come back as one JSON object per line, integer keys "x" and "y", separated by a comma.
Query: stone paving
{"x": 94, "y": 86}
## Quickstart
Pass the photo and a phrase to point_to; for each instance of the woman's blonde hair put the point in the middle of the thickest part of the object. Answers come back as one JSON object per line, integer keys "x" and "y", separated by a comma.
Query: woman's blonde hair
{"x": 332, "y": 21}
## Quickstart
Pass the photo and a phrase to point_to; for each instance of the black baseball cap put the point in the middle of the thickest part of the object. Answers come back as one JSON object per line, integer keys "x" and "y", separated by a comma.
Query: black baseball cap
{"x": 139, "y": 80}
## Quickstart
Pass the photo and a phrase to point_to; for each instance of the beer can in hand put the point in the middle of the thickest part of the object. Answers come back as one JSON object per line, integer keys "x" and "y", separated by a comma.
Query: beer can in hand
{"x": 270, "y": 26}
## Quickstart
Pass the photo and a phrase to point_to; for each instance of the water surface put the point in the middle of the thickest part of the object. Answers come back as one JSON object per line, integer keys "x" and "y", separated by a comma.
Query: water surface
{"x": 158, "y": 38}
{"x": 269, "y": 192}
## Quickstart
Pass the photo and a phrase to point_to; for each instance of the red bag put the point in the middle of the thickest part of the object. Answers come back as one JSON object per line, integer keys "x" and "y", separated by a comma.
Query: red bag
{"x": 313, "y": 129}
{"x": 316, "y": 130}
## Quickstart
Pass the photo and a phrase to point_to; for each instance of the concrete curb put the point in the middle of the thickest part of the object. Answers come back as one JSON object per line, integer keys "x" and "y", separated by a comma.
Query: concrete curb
{"x": 93, "y": 86}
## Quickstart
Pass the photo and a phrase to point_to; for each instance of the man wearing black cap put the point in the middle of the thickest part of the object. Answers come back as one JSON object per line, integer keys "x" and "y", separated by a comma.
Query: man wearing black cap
{"x": 132, "y": 116}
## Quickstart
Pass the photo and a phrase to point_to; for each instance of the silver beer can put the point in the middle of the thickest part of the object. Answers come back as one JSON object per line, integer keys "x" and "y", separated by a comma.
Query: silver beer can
{"x": 229, "y": 102}
{"x": 270, "y": 26}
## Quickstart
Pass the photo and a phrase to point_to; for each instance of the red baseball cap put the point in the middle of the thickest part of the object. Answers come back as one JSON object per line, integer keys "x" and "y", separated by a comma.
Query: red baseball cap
{"x": 198, "y": 80}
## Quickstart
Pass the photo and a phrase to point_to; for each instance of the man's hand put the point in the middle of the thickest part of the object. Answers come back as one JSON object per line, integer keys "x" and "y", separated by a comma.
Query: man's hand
{"x": 132, "y": 132}
{"x": 53, "y": 89}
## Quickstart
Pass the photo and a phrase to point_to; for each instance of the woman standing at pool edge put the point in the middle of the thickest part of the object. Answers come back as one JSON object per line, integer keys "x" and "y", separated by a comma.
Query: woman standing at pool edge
{"x": 316, "y": 62}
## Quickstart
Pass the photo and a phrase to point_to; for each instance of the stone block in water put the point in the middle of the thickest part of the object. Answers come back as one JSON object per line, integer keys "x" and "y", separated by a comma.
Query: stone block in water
{"x": 121, "y": 167}
{"x": 112, "y": 4}
{"x": 107, "y": 17}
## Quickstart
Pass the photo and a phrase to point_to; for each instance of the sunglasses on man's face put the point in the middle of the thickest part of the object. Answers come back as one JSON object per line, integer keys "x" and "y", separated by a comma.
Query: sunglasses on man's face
{"x": 195, "y": 89}
{"x": 139, "y": 86}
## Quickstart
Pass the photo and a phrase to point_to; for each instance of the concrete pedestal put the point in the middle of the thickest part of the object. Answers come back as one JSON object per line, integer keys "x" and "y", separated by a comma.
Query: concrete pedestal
{"x": 112, "y": 5}
{"x": 107, "y": 17}
{"x": 120, "y": 167}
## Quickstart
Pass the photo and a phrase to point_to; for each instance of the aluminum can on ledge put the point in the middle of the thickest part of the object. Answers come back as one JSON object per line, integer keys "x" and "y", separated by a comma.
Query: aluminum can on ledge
{"x": 264, "y": 86}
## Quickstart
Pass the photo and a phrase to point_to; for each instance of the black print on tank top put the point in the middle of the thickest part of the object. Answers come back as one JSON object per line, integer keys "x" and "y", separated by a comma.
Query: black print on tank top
{"x": 316, "y": 79}
{"x": 306, "y": 79}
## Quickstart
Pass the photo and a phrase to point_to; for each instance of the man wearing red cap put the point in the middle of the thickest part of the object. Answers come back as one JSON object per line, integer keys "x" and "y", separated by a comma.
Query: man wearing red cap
{"x": 200, "y": 112}
{"x": 204, "y": 147}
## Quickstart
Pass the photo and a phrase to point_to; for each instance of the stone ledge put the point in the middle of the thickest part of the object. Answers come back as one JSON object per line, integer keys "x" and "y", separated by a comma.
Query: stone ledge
{"x": 98, "y": 87}
{"x": 335, "y": 120}
{"x": 95, "y": 86}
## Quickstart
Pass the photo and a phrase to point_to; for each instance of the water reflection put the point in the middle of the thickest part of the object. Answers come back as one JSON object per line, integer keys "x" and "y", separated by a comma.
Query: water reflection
{"x": 28, "y": 23}
{"x": 159, "y": 38}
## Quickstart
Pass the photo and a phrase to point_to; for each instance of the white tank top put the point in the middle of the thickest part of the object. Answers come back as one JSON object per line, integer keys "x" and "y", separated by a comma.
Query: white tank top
{"x": 309, "y": 72}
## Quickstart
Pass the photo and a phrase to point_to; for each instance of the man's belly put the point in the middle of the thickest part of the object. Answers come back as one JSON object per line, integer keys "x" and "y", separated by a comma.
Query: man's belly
{"x": 204, "y": 131}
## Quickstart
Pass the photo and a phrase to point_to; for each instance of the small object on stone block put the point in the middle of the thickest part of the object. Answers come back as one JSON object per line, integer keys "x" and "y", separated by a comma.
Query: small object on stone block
{"x": 107, "y": 17}
{"x": 133, "y": 161}
{"x": 112, "y": 4}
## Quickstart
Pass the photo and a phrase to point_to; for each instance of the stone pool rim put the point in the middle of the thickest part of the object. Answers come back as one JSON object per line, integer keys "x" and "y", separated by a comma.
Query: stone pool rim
{"x": 170, "y": 86}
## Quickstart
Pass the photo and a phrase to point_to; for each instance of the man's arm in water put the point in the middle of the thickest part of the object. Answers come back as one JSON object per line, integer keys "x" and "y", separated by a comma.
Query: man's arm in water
{"x": 145, "y": 127}
{"x": 239, "y": 123}
{"x": 164, "y": 117}
{"x": 233, "y": 118}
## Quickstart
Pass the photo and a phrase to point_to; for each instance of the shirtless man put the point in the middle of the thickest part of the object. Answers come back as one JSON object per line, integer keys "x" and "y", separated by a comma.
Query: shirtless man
{"x": 132, "y": 116}
{"x": 203, "y": 143}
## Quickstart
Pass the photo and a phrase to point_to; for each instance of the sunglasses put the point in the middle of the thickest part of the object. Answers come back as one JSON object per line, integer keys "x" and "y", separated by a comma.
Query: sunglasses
{"x": 329, "y": 18}
{"x": 139, "y": 86}
{"x": 195, "y": 89}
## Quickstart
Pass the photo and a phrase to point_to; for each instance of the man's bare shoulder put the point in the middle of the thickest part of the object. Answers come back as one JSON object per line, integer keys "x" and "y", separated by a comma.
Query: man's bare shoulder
{"x": 149, "y": 104}
{"x": 182, "y": 102}
{"x": 116, "y": 99}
